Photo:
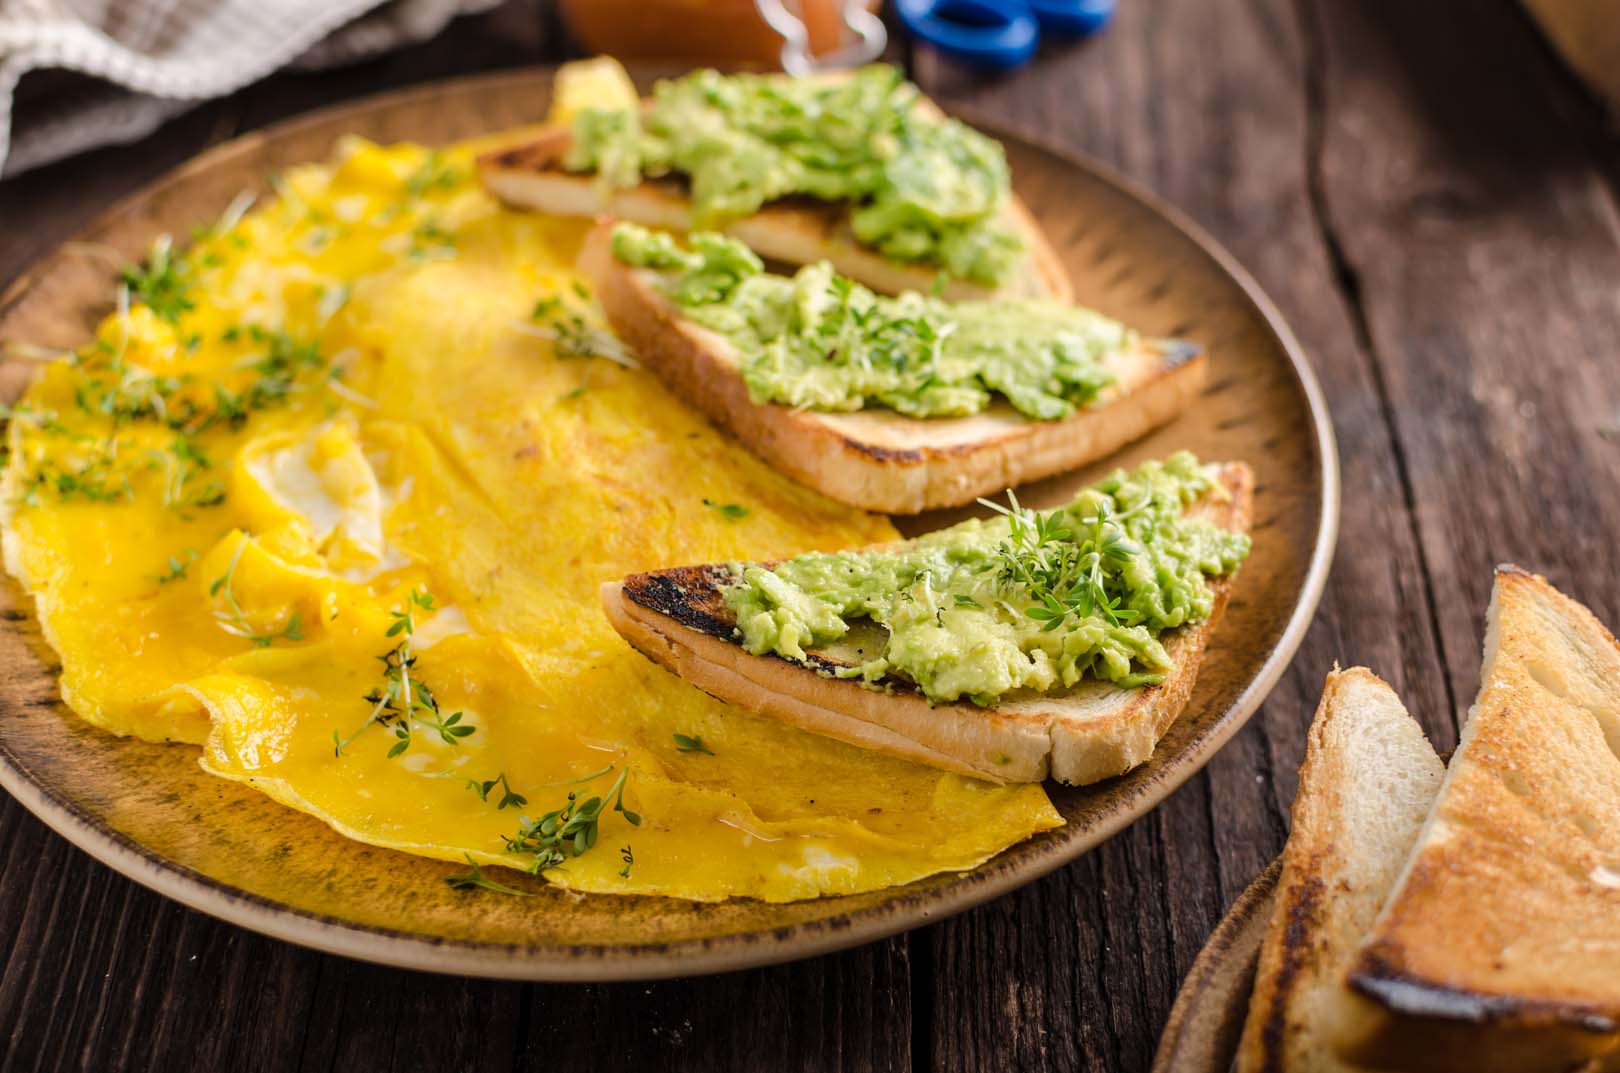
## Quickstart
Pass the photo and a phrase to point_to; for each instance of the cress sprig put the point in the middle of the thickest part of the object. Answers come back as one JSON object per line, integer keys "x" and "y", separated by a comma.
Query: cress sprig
{"x": 1064, "y": 564}
{"x": 405, "y": 703}
{"x": 233, "y": 620}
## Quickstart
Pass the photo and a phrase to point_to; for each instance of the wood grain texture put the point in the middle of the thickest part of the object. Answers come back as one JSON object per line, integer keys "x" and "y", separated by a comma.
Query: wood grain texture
{"x": 1432, "y": 204}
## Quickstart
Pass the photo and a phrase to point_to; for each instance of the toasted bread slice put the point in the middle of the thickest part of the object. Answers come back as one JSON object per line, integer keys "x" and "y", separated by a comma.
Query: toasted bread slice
{"x": 1093, "y": 731}
{"x": 1366, "y": 786}
{"x": 878, "y": 459}
{"x": 795, "y": 231}
{"x": 1499, "y": 949}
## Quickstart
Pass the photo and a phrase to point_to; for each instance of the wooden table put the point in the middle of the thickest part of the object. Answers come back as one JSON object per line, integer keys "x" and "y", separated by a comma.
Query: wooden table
{"x": 1430, "y": 200}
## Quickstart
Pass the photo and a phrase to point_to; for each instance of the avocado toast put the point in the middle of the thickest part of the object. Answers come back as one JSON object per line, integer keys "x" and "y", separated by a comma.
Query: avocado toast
{"x": 1003, "y": 676}
{"x": 856, "y": 168}
{"x": 896, "y": 405}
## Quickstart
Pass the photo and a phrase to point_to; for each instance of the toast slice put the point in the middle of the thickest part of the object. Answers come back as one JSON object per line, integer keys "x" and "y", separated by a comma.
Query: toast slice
{"x": 1499, "y": 949}
{"x": 795, "y": 231}
{"x": 1366, "y": 786}
{"x": 1096, "y": 730}
{"x": 877, "y": 459}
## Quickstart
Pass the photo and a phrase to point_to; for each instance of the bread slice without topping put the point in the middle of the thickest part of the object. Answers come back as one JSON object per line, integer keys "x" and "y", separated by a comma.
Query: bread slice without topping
{"x": 1499, "y": 949}
{"x": 1368, "y": 780}
{"x": 1096, "y": 730}
{"x": 796, "y": 231}
{"x": 878, "y": 459}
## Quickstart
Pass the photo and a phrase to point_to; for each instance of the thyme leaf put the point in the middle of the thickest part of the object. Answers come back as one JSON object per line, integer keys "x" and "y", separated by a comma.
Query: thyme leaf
{"x": 691, "y": 744}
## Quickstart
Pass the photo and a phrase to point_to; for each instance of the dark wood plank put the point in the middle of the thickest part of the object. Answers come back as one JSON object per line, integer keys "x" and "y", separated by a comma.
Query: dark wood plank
{"x": 1444, "y": 247}
{"x": 1210, "y": 107}
{"x": 1480, "y": 241}
{"x": 851, "y": 1011}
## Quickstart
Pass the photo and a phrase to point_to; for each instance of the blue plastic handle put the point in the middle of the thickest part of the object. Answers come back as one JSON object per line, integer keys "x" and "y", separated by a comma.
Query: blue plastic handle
{"x": 1074, "y": 18}
{"x": 991, "y": 33}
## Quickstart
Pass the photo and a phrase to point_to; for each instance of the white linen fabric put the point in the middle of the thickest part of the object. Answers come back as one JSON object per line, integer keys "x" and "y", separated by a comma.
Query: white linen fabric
{"x": 156, "y": 58}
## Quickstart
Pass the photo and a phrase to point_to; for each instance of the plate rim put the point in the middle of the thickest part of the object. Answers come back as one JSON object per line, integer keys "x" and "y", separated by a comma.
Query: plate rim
{"x": 1181, "y": 1031}
{"x": 737, "y": 950}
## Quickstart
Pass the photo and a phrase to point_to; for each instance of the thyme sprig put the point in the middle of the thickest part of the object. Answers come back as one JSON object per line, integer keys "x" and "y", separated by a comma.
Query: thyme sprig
{"x": 233, "y": 620}
{"x": 734, "y": 512}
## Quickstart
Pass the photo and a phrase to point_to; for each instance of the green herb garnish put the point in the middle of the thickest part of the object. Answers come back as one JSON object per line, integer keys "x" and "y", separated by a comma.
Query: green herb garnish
{"x": 162, "y": 284}
{"x": 691, "y": 744}
{"x": 178, "y": 566}
{"x": 731, "y": 511}
{"x": 1063, "y": 563}
{"x": 509, "y": 796}
{"x": 571, "y": 830}
{"x": 564, "y": 323}
{"x": 476, "y": 879}
{"x": 405, "y": 703}
{"x": 233, "y": 620}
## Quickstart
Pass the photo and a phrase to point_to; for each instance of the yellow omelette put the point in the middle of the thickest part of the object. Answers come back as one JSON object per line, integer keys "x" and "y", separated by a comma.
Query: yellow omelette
{"x": 327, "y": 498}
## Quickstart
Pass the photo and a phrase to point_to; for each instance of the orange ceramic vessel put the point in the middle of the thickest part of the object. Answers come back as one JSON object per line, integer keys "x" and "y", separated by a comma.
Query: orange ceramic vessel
{"x": 703, "y": 31}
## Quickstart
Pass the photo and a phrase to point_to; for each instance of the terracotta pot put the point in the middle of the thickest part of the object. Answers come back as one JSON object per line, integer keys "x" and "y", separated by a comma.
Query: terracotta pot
{"x": 701, "y": 31}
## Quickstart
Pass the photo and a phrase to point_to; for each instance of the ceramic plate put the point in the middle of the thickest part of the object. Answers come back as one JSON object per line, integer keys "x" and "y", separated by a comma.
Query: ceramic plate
{"x": 151, "y": 813}
{"x": 1207, "y": 1018}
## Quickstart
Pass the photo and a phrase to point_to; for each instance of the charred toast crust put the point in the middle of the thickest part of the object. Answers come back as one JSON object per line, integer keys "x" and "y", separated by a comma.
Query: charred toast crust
{"x": 693, "y": 597}
{"x": 688, "y": 594}
{"x": 1380, "y": 978}
{"x": 1303, "y": 908}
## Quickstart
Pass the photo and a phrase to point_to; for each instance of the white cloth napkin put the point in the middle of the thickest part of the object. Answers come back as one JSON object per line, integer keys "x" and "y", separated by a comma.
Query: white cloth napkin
{"x": 161, "y": 57}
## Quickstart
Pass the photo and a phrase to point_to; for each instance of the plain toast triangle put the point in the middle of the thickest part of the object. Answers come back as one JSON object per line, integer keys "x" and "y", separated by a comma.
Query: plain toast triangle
{"x": 1499, "y": 949}
{"x": 1366, "y": 785}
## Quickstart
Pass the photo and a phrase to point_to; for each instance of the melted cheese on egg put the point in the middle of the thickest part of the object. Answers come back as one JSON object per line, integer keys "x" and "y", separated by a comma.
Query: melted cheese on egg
{"x": 237, "y": 584}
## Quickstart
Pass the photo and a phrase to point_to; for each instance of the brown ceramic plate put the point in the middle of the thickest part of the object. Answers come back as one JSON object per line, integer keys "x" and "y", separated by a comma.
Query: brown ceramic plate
{"x": 1207, "y": 1018}
{"x": 150, "y": 812}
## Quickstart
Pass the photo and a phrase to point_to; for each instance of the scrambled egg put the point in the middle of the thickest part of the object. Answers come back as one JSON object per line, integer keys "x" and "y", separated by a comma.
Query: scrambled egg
{"x": 329, "y": 498}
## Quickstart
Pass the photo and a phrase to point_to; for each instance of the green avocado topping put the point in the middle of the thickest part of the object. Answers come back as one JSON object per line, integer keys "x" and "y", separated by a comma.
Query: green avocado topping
{"x": 819, "y": 341}
{"x": 1022, "y": 601}
{"x": 921, "y": 187}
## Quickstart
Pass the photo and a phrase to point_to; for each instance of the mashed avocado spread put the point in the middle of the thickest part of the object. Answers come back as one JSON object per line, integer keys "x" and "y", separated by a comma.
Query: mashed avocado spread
{"x": 921, "y": 187}
{"x": 819, "y": 341}
{"x": 1026, "y": 600}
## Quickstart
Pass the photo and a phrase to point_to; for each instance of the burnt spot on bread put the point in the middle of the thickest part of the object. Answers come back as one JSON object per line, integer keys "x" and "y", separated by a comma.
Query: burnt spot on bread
{"x": 1178, "y": 352}
{"x": 878, "y": 453}
{"x": 691, "y": 595}
{"x": 1299, "y": 914}
{"x": 1379, "y": 976}
{"x": 544, "y": 153}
